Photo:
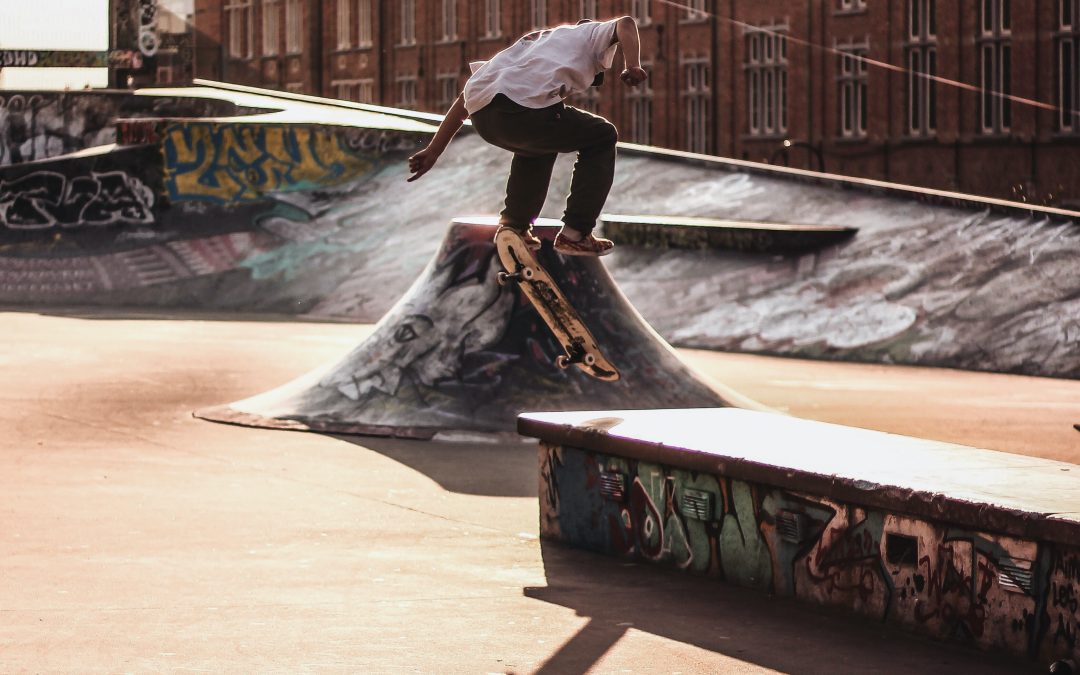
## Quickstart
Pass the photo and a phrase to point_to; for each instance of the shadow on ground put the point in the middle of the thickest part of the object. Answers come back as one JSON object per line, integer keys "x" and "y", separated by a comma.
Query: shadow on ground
{"x": 778, "y": 633}
{"x": 616, "y": 595}
{"x": 487, "y": 469}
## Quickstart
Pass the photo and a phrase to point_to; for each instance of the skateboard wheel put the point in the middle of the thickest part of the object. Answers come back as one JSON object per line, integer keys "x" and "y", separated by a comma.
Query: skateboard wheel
{"x": 501, "y": 278}
{"x": 589, "y": 360}
{"x": 562, "y": 362}
{"x": 527, "y": 273}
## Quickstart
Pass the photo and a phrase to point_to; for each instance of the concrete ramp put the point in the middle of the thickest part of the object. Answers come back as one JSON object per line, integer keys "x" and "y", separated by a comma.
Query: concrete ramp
{"x": 461, "y": 354}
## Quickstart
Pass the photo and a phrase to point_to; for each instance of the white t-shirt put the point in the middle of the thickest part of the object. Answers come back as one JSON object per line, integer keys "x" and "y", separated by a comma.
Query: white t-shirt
{"x": 544, "y": 67}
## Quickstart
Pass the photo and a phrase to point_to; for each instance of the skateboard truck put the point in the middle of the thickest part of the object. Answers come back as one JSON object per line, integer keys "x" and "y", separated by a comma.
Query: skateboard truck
{"x": 575, "y": 353}
{"x": 522, "y": 273}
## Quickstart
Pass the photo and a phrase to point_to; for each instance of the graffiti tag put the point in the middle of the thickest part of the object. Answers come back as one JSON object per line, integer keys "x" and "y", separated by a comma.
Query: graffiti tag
{"x": 47, "y": 199}
{"x": 243, "y": 162}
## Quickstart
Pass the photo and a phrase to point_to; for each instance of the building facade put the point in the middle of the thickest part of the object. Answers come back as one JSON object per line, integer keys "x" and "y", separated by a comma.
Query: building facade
{"x": 978, "y": 96}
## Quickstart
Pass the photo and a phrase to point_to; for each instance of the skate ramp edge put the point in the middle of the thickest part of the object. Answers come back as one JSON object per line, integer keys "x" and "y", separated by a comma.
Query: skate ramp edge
{"x": 949, "y": 541}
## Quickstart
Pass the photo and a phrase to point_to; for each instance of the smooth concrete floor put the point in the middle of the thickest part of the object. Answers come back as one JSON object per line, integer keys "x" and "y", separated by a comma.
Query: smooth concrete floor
{"x": 136, "y": 538}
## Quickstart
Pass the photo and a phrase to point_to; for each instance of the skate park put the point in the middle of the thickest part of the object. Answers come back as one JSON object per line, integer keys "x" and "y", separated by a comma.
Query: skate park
{"x": 265, "y": 252}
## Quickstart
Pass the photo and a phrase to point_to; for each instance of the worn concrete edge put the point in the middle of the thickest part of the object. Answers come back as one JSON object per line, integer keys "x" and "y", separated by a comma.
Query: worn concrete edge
{"x": 694, "y": 223}
{"x": 225, "y": 414}
{"x": 435, "y": 118}
{"x": 868, "y": 185}
{"x": 891, "y": 498}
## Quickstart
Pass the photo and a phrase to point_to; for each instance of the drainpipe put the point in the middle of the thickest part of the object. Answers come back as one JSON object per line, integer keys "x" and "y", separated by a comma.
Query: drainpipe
{"x": 714, "y": 85}
{"x": 384, "y": 50}
{"x": 320, "y": 59}
{"x": 886, "y": 146}
{"x": 809, "y": 75}
{"x": 733, "y": 73}
{"x": 1037, "y": 113}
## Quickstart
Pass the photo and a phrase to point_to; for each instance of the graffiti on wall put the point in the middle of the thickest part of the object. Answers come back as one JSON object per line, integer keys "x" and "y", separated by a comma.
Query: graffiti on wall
{"x": 46, "y": 199}
{"x": 28, "y": 58}
{"x": 430, "y": 340}
{"x": 989, "y": 590}
{"x": 1063, "y": 608}
{"x": 238, "y": 163}
{"x": 35, "y": 126}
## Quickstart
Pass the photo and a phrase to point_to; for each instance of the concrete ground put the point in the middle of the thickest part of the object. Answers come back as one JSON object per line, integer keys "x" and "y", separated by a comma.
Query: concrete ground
{"x": 135, "y": 538}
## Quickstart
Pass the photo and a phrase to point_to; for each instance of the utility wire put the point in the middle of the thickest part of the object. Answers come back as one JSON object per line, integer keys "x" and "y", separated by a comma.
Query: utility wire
{"x": 874, "y": 62}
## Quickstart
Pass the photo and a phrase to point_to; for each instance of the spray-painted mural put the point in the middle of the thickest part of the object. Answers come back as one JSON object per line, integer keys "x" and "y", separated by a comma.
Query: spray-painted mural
{"x": 36, "y": 126}
{"x": 237, "y": 163}
{"x": 46, "y": 199}
{"x": 993, "y": 591}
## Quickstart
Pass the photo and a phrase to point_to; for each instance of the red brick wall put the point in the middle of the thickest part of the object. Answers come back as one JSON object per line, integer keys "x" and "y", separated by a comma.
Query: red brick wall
{"x": 1031, "y": 160}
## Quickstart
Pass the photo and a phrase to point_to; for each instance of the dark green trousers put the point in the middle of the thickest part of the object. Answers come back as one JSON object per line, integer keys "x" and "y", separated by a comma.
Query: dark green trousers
{"x": 536, "y": 137}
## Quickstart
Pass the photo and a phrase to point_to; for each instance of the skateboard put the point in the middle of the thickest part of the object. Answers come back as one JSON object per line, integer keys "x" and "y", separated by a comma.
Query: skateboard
{"x": 579, "y": 346}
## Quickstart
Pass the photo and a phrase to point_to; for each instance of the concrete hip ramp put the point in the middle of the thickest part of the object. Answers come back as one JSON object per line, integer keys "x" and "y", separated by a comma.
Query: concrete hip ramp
{"x": 460, "y": 354}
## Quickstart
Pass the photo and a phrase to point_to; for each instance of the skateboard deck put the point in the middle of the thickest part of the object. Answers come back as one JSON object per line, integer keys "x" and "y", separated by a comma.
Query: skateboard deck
{"x": 579, "y": 345}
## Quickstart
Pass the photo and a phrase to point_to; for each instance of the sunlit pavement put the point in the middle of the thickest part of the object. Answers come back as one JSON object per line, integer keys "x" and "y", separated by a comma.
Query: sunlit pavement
{"x": 134, "y": 537}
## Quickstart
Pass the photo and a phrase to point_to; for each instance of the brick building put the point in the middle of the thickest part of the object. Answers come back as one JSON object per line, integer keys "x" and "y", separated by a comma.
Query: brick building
{"x": 972, "y": 95}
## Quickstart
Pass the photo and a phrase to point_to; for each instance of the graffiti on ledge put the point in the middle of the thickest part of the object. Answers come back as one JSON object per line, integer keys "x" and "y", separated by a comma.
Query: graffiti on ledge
{"x": 991, "y": 590}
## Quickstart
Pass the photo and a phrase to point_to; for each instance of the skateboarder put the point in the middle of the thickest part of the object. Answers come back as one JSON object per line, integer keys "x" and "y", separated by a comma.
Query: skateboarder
{"x": 516, "y": 103}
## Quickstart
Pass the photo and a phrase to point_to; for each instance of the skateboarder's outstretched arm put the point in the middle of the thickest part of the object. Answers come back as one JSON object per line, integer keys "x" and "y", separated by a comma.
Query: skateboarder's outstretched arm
{"x": 626, "y": 34}
{"x": 421, "y": 162}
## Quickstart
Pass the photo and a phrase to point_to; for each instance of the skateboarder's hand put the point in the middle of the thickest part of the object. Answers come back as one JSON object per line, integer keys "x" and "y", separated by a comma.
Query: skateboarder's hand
{"x": 421, "y": 163}
{"x": 634, "y": 76}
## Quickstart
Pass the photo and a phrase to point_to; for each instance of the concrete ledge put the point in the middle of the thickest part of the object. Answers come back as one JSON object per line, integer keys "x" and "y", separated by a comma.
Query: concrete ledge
{"x": 706, "y": 233}
{"x": 1011, "y": 494}
{"x": 947, "y": 540}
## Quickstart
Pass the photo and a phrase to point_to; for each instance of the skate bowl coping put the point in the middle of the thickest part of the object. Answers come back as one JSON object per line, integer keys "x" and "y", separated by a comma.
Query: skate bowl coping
{"x": 943, "y": 539}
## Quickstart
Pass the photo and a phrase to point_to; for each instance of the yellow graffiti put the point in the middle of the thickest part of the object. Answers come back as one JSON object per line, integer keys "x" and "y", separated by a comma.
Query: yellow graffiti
{"x": 228, "y": 163}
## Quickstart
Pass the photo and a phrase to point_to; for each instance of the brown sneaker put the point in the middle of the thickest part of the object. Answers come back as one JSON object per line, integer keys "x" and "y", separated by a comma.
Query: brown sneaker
{"x": 531, "y": 240}
{"x": 589, "y": 245}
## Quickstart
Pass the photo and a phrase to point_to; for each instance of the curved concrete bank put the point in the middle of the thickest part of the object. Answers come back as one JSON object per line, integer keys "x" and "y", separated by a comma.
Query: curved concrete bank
{"x": 459, "y": 353}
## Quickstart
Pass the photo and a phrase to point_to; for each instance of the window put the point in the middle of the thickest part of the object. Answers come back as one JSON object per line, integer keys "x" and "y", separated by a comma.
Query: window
{"x": 448, "y": 89}
{"x": 492, "y": 18}
{"x": 921, "y": 56}
{"x": 695, "y": 10}
{"x": 766, "y": 77}
{"x": 294, "y": 26}
{"x": 408, "y": 22}
{"x": 995, "y": 52}
{"x": 344, "y": 24}
{"x": 538, "y": 13}
{"x": 587, "y": 9}
{"x": 361, "y": 91}
{"x": 365, "y": 91}
{"x": 1068, "y": 65}
{"x": 363, "y": 23}
{"x": 852, "y": 83}
{"x": 641, "y": 10}
{"x": 697, "y": 99}
{"x": 852, "y": 5}
{"x": 241, "y": 29}
{"x": 407, "y": 91}
{"x": 271, "y": 27}
{"x": 449, "y": 20}
{"x": 641, "y": 98}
